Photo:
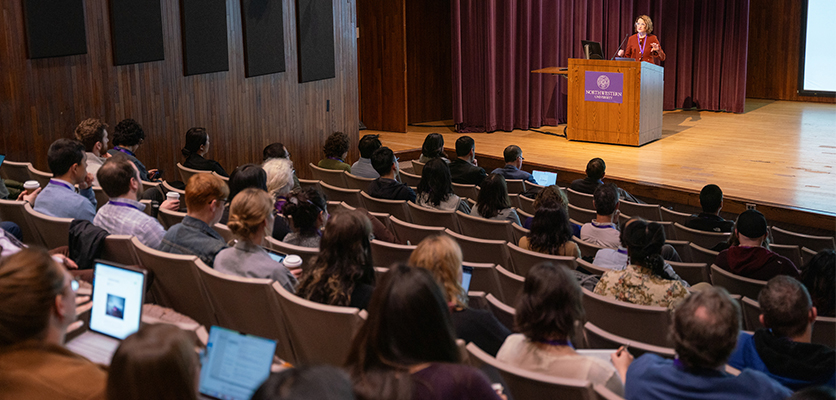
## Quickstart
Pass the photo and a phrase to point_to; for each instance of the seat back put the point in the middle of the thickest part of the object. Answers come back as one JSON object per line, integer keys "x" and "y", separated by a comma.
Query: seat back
{"x": 503, "y": 312}
{"x": 511, "y": 283}
{"x": 578, "y": 199}
{"x": 591, "y": 268}
{"x": 790, "y": 251}
{"x": 701, "y": 238}
{"x": 224, "y": 231}
{"x": 395, "y": 208}
{"x": 485, "y": 228}
{"x": 168, "y": 188}
{"x": 648, "y": 324}
{"x": 412, "y": 233}
{"x": 53, "y": 231}
{"x": 482, "y": 250}
{"x": 120, "y": 249}
{"x": 16, "y": 171}
{"x": 357, "y": 182}
{"x": 42, "y": 177}
{"x": 650, "y": 212}
{"x": 485, "y": 279}
{"x": 597, "y": 338}
{"x": 15, "y": 211}
{"x": 527, "y": 204}
{"x": 582, "y": 215}
{"x": 587, "y": 249}
{"x": 693, "y": 273}
{"x": 187, "y": 173}
{"x": 223, "y": 178}
{"x": 431, "y": 217}
{"x": 736, "y": 284}
{"x": 385, "y": 254}
{"x": 101, "y": 197}
{"x": 310, "y": 183}
{"x": 177, "y": 283}
{"x": 683, "y": 248}
{"x": 523, "y": 259}
{"x": 418, "y": 167}
{"x": 410, "y": 179}
{"x": 674, "y": 216}
{"x": 465, "y": 191}
{"x": 702, "y": 255}
{"x": 515, "y": 186}
{"x": 816, "y": 243}
{"x": 824, "y": 332}
{"x": 307, "y": 253}
{"x": 349, "y": 196}
{"x": 319, "y": 334}
{"x": 170, "y": 218}
{"x": 751, "y": 314}
{"x": 519, "y": 232}
{"x": 333, "y": 177}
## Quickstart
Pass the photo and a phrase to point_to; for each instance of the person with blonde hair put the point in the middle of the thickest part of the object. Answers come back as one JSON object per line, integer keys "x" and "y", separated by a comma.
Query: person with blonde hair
{"x": 442, "y": 256}
{"x": 250, "y": 219}
{"x": 37, "y": 304}
{"x": 280, "y": 182}
{"x": 637, "y": 45}
{"x": 157, "y": 362}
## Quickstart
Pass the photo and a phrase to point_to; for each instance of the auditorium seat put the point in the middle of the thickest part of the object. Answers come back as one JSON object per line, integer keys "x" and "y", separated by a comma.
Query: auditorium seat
{"x": 333, "y": 177}
{"x": 702, "y": 255}
{"x": 482, "y": 228}
{"x": 357, "y": 182}
{"x": 410, "y": 179}
{"x": 349, "y": 196}
{"x": 736, "y": 284}
{"x": 511, "y": 283}
{"x": 701, "y": 238}
{"x": 187, "y": 173}
{"x": 693, "y": 273}
{"x": 385, "y": 254}
{"x": 16, "y": 171}
{"x": 650, "y": 212}
{"x": 523, "y": 260}
{"x": 582, "y": 215}
{"x": 418, "y": 167}
{"x": 590, "y": 267}
{"x": 432, "y": 217}
{"x": 503, "y": 312}
{"x": 674, "y": 216}
{"x": 170, "y": 218}
{"x": 683, "y": 248}
{"x": 751, "y": 314}
{"x": 395, "y": 208}
{"x": 53, "y": 231}
{"x": 307, "y": 253}
{"x": 42, "y": 177}
{"x": 225, "y": 233}
{"x": 223, "y": 178}
{"x": 310, "y": 183}
{"x": 807, "y": 254}
{"x": 469, "y": 191}
{"x": 482, "y": 250}
{"x": 597, "y": 338}
{"x": 578, "y": 199}
{"x": 527, "y": 205}
{"x": 587, "y": 249}
{"x": 477, "y": 300}
{"x": 515, "y": 186}
{"x": 647, "y": 324}
{"x": 816, "y": 243}
{"x": 101, "y": 197}
{"x": 408, "y": 233}
{"x": 120, "y": 249}
{"x": 790, "y": 251}
{"x": 15, "y": 211}
{"x": 485, "y": 279}
{"x": 518, "y": 231}
{"x": 514, "y": 199}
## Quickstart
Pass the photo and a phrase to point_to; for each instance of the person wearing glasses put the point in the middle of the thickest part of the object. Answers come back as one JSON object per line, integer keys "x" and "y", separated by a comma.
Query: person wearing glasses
{"x": 513, "y": 164}
{"x": 37, "y": 304}
{"x": 127, "y": 137}
{"x": 643, "y": 46}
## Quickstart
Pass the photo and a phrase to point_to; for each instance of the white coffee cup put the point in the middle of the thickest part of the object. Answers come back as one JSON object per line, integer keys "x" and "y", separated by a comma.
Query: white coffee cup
{"x": 292, "y": 261}
{"x": 172, "y": 195}
{"x": 31, "y": 186}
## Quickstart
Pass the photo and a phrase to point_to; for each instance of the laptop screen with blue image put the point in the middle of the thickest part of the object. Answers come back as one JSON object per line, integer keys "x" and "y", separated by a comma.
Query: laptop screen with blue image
{"x": 544, "y": 178}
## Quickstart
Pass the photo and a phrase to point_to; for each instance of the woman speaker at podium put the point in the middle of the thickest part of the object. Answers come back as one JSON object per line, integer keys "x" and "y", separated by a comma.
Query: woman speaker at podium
{"x": 643, "y": 46}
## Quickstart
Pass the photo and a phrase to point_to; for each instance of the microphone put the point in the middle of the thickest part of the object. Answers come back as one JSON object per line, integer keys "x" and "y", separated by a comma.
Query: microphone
{"x": 619, "y": 46}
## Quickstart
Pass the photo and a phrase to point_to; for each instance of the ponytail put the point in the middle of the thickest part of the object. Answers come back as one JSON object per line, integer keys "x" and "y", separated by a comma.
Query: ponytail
{"x": 644, "y": 241}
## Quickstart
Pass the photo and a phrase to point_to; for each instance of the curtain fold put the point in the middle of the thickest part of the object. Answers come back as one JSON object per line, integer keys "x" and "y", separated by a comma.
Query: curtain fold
{"x": 497, "y": 43}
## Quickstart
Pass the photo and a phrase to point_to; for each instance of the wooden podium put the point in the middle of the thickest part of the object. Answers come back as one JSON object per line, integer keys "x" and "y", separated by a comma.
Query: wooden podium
{"x": 634, "y": 121}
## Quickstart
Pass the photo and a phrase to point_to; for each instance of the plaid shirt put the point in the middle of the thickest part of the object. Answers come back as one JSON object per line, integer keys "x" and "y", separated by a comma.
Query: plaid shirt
{"x": 127, "y": 220}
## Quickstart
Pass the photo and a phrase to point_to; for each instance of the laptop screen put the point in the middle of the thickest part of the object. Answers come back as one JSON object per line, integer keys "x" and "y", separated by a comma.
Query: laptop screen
{"x": 276, "y": 256}
{"x": 467, "y": 273}
{"x": 235, "y": 364}
{"x": 544, "y": 178}
{"x": 2, "y": 158}
{"x": 117, "y": 300}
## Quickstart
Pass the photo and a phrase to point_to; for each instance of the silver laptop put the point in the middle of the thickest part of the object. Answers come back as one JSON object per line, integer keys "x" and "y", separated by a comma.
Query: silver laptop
{"x": 234, "y": 364}
{"x": 544, "y": 178}
{"x": 118, "y": 293}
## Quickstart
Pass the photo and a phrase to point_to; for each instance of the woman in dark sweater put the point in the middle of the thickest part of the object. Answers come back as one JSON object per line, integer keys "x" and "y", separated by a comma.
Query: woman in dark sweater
{"x": 197, "y": 146}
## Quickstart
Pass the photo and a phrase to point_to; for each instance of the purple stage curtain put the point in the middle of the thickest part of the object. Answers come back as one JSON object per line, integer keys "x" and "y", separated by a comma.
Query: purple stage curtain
{"x": 497, "y": 43}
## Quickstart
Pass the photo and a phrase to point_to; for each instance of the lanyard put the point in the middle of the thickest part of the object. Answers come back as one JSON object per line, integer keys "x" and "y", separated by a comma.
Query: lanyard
{"x": 64, "y": 184}
{"x": 120, "y": 204}
{"x": 126, "y": 151}
{"x": 337, "y": 159}
{"x": 642, "y": 46}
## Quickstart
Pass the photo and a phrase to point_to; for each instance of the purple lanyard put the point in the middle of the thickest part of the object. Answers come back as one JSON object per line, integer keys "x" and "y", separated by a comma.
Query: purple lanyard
{"x": 564, "y": 342}
{"x": 336, "y": 158}
{"x": 120, "y": 204}
{"x": 622, "y": 251}
{"x": 59, "y": 183}
{"x": 126, "y": 151}
{"x": 642, "y": 46}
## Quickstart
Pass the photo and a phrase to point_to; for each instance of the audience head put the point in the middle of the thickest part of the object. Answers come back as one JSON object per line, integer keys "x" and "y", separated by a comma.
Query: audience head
{"x": 336, "y": 145}
{"x": 819, "y": 277}
{"x": 551, "y": 195}
{"x": 156, "y": 362}
{"x": 512, "y": 153}
{"x": 711, "y": 199}
{"x": 550, "y": 303}
{"x": 246, "y": 176}
{"x": 197, "y": 142}
{"x": 644, "y": 241}
{"x": 751, "y": 224}
{"x": 37, "y": 300}
{"x": 442, "y": 256}
{"x": 67, "y": 156}
{"x": 550, "y": 229}
{"x": 275, "y": 150}
{"x": 128, "y": 133}
{"x": 433, "y": 146}
{"x": 705, "y": 328}
{"x": 206, "y": 194}
{"x": 383, "y": 159}
{"x": 595, "y": 169}
{"x": 436, "y": 181}
{"x": 118, "y": 175}
{"x": 307, "y": 210}
{"x": 279, "y": 176}
{"x": 321, "y": 382}
{"x": 368, "y": 144}
{"x": 786, "y": 307}
{"x": 493, "y": 196}
{"x": 605, "y": 199}
{"x": 344, "y": 261}
{"x": 464, "y": 145}
{"x": 92, "y": 133}
{"x": 251, "y": 212}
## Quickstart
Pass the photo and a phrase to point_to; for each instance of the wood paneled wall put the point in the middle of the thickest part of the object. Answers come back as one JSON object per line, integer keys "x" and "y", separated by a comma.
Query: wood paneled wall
{"x": 43, "y": 100}
{"x": 774, "y": 51}
{"x": 429, "y": 61}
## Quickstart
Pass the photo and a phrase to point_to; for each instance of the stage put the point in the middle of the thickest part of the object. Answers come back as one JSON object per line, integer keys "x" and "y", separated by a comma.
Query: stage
{"x": 777, "y": 154}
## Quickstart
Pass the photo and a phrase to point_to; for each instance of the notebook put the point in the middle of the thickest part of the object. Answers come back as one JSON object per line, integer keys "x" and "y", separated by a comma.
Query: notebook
{"x": 544, "y": 178}
{"x": 116, "y": 313}
{"x": 234, "y": 364}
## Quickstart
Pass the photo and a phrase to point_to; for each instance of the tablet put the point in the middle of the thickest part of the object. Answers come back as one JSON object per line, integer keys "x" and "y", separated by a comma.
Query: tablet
{"x": 544, "y": 178}
{"x": 275, "y": 255}
{"x": 234, "y": 364}
{"x": 467, "y": 274}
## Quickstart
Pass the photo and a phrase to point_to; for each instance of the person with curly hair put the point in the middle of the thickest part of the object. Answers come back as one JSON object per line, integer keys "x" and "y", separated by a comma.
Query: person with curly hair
{"x": 307, "y": 211}
{"x": 336, "y": 150}
{"x": 197, "y": 146}
{"x": 92, "y": 133}
{"x": 128, "y": 136}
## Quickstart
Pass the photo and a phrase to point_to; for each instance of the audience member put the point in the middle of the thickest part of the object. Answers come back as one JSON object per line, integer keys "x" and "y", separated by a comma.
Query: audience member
{"x": 750, "y": 259}
{"x": 435, "y": 190}
{"x": 37, "y": 304}
{"x": 603, "y": 230}
{"x": 704, "y": 330}
{"x": 782, "y": 349}
{"x": 617, "y": 259}
{"x": 407, "y": 349}
{"x": 197, "y": 146}
{"x": 321, "y": 382}
{"x": 336, "y": 150}
{"x": 123, "y": 214}
{"x": 551, "y": 233}
{"x": 128, "y": 136}
{"x": 711, "y": 200}
{"x": 552, "y": 194}
{"x": 513, "y": 164}
{"x": 595, "y": 170}
{"x": 205, "y": 198}
{"x": 493, "y": 201}
{"x": 820, "y": 279}
{"x": 645, "y": 281}
{"x": 244, "y": 177}
{"x": 464, "y": 169}
{"x": 343, "y": 273}
{"x": 386, "y": 187}
{"x": 156, "y": 362}
{"x": 280, "y": 183}
{"x": 68, "y": 164}
{"x": 92, "y": 133}
{"x": 307, "y": 211}
{"x": 363, "y": 167}
{"x": 250, "y": 218}
{"x": 442, "y": 256}
{"x": 433, "y": 147}
{"x": 277, "y": 150}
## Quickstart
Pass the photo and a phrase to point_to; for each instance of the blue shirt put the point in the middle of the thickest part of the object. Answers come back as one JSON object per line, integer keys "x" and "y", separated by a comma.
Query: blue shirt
{"x": 59, "y": 199}
{"x": 511, "y": 172}
{"x": 195, "y": 238}
{"x": 652, "y": 377}
{"x": 126, "y": 217}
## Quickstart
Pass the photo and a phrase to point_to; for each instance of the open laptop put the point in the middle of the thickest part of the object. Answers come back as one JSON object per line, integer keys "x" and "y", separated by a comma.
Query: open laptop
{"x": 118, "y": 293}
{"x": 544, "y": 178}
{"x": 2, "y": 158}
{"x": 234, "y": 364}
{"x": 275, "y": 255}
{"x": 467, "y": 274}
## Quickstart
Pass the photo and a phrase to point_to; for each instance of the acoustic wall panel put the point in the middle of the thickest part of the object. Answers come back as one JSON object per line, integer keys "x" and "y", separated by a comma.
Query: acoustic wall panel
{"x": 315, "y": 24}
{"x": 137, "y": 30}
{"x": 55, "y": 28}
{"x": 204, "y": 36}
{"x": 263, "y": 36}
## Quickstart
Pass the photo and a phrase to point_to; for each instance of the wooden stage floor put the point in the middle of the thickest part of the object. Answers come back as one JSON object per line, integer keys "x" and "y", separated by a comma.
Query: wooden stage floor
{"x": 778, "y": 152}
